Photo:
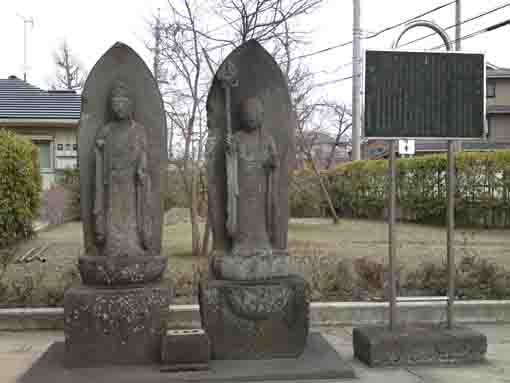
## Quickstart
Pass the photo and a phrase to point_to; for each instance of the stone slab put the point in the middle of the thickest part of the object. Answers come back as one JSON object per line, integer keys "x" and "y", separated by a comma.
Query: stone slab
{"x": 319, "y": 361}
{"x": 255, "y": 320}
{"x": 378, "y": 346}
{"x": 116, "y": 325}
{"x": 116, "y": 271}
{"x": 185, "y": 346}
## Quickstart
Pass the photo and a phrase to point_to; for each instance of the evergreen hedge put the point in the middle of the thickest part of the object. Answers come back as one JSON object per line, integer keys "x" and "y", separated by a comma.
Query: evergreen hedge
{"x": 20, "y": 184}
{"x": 482, "y": 198}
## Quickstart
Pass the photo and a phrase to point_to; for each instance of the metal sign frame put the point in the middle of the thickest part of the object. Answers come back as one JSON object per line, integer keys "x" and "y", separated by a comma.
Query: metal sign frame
{"x": 484, "y": 86}
{"x": 392, "y": 199}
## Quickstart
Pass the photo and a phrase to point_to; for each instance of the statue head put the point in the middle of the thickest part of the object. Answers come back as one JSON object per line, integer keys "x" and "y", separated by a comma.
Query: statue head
{"x": 121, "y": 101}
{"x": 252, "y": 114}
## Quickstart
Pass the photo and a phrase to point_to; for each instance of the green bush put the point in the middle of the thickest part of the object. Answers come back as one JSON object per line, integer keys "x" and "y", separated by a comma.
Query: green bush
{"x": 305, "y": 197}
{"x": 20, "y": 184}
{"x": 358, "y": 189}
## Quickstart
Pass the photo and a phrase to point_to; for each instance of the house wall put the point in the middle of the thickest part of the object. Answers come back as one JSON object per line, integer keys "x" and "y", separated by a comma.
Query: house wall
{"x": 61, "y": 144}
{"x": 499, "y": 127}
{"x": 499, "y": 124}
{"x": 502, "y": 92}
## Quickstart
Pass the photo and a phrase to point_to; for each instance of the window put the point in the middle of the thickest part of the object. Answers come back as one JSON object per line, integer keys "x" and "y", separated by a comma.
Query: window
{"x": 491, "y": 89}
{"x": 60, "y": 147}
{"x": 44, "y": 154}
{"x": 68, "y": 146}
{"x": 75, "y": 147}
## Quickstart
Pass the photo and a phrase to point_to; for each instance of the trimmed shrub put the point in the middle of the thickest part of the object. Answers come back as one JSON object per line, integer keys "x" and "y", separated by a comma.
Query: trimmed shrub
{"x": 20, "y": 184}
{"x": 358, "y": 189}
{"x": 305, "y": 197}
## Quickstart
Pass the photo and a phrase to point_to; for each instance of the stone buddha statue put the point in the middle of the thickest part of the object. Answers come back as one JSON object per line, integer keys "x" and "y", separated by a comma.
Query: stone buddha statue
{"x": 252, "y": 156}
{"x": 121, "y": 224}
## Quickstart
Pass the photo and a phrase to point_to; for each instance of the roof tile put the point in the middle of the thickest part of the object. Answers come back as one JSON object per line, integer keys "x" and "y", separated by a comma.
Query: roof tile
{"x": 19, "y": 99}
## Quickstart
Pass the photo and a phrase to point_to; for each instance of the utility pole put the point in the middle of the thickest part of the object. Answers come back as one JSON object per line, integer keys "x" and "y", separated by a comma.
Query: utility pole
{"x": 458, "y": 47}
{"x": 458, "y": 27}
{"x": 157, "y": 46}
{"x": 26, "y": 23}
{"x": 356, "y": 81}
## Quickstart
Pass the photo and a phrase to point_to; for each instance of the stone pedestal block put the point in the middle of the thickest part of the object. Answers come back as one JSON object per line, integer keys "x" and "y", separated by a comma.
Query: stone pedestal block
{"x": 117, "y": 271}
{"x": 115, "y": 325}
{"x": 255, "y": 320}
{"x": 418, "y": 345}
{"x": 185, "y": 347}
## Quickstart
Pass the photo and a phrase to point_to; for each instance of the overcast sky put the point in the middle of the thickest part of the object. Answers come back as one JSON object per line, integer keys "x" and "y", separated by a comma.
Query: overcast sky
{"x": 92, "y": 26}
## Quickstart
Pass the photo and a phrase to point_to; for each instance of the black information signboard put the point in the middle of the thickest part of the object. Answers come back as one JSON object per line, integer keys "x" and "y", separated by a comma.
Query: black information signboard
{"x": 424, "y": 95}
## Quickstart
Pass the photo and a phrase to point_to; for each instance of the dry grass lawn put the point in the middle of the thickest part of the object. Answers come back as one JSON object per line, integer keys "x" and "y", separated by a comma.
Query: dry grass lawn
{"x": 348, "y": 239}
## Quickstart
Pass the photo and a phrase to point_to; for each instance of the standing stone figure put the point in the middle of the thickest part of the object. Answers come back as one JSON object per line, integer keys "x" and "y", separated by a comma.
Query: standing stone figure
{"x": 122, "y": 225}
{"x": 250, "y": 304}
{"x": 122, "y": 147}
{"x": 117, "y": 314}
{"x": 252, "y": 204}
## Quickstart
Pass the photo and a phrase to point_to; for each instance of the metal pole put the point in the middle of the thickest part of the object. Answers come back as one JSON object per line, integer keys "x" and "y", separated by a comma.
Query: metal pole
{"x": 458, "y": 27}
{"x": 356, "y": 81}
{"x": 157, "y": 47}
{"x": 392, "y": 196}
{"x": 458, "y": 47}
{"x": 451, "y": 232}
{"x": 25, "y": 50}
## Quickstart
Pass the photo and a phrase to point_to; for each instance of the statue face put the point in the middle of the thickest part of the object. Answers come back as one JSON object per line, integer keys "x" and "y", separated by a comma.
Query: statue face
{"x": 121, "y": 107}
{"x": 251, "y": 114}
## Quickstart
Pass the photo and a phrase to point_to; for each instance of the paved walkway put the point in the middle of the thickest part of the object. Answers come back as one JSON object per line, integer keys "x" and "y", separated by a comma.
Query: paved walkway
{"x": 19, "y": 350}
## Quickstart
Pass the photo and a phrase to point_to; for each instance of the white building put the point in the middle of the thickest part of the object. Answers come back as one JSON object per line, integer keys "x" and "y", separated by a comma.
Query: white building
{"x": 48, "y": 118}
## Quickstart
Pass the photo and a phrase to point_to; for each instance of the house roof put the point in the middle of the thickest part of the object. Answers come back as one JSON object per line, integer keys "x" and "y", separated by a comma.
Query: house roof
{"x": 21, "y": 100}
{"x": 498, "y": 73}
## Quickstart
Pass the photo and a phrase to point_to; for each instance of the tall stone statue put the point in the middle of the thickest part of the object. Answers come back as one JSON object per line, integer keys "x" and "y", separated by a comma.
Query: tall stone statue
{"x": 117, "y": 315}
{"x": 251, "y": 125}
{"x": 122, "y": 190}
{"x": 122, "y": 147}
{"x": 252, "y": 308}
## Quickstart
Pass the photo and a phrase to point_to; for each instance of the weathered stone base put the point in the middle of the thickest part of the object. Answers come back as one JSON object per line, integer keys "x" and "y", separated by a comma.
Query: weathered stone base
{"x": 115, "y": 326}
{"x": 255, "y": 320}
{"x": 318, "y": 362}
{"x": 255, "y": 265}
{"x": 116, "y": 271}
{"x": 185, "y": 349}
{"x": 417, "y": 345}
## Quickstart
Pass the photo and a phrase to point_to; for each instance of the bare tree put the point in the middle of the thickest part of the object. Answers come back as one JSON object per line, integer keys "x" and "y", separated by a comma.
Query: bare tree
{"x": 70, "y": 74}
{"x": 180, "y": 49}
{"x": 189, "y": 62}
{"x": 263, "y": 20}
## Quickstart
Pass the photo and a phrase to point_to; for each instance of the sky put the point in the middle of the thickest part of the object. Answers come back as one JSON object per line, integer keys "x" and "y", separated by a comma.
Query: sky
{"x": 92, "y": 26}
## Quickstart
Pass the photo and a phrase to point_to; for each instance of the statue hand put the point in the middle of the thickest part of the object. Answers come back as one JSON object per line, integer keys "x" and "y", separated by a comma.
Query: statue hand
{"x": 141, "y": 177}
{"x": 228, "y": 144}
{"x": 100, "y": 238}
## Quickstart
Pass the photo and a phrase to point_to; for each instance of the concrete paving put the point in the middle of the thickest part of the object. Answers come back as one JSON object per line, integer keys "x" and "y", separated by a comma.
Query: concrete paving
{"x": 18, "y": 350}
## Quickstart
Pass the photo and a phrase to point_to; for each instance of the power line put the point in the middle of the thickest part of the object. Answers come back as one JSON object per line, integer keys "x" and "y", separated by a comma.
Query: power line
{"x": 479, "y": 32}
{"x": 375, "y": 34}
{"x": 454, "y": 25}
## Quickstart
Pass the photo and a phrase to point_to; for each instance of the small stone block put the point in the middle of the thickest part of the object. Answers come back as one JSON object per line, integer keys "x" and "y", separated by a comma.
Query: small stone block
{"x": 255, "y": 320}
{"x": 185, "y": 346}
{"x": 378, "y": 346}
{"x": 105, "y": 326}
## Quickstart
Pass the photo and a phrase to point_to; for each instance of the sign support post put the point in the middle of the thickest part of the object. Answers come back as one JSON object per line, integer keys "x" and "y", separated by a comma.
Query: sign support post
{"x": 392, "y": 239}
{"x": 412, "y": 96}
{"x": 450, "y": 236}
